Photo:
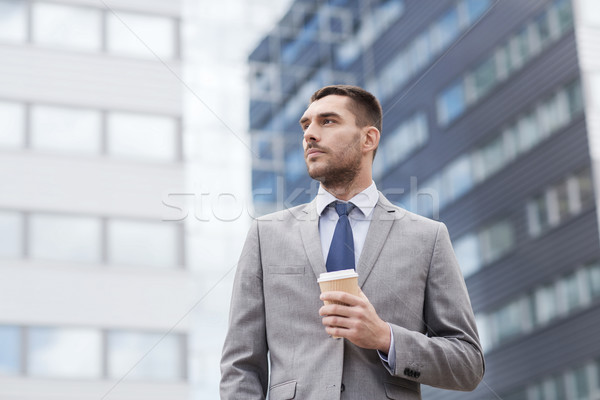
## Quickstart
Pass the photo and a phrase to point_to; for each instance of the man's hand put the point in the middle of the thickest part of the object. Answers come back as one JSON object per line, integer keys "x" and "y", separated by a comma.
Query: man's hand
{"x": 356, "y": 321}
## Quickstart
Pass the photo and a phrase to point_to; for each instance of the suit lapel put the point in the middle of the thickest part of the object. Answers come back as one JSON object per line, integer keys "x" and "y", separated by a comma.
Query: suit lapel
{"x": 309, "y": 230}
{"x": 384, "y": 215}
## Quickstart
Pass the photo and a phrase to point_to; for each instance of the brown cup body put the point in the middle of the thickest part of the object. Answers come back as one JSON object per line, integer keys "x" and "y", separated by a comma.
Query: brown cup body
{"x": 348, "y": 285}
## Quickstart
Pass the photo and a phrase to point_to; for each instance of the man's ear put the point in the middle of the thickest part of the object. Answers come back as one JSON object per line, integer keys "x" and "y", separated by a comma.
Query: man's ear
{"x": 371, "y": 139}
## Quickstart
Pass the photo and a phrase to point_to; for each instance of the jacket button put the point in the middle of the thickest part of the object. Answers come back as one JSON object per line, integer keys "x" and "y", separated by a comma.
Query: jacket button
{"x": 342, "y": 388}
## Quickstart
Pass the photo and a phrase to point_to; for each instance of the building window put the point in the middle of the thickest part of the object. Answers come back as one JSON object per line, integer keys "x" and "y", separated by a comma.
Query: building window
{"x": 477, "y": 249}
{"x": 141, "y": 35}
{"x": 594, "y": 280}
{"x": 467, "y": 252}
{"x": 420, "y": 51}
{"x": 519, "y": 49}
{"x": 457, "y": 178}
{"x": 295, "y": 167}
{"x": 537, "y": 215}
{"x": 539, "y": 307}
{"x": 265, "y": 186}
{"x": 451, "y": 103}
{"x": 567, "y": 198}
{"x": 426, "y": 46}
{"x": 12, "y": 121}
{"x": 11, "y": 232}
{"x": 64, "y": 353}
{"x": 581, "y": 384}
{"x": 572, "y": 297}
{"x": 82, "y": 240}
{"x": 447, "y": 28}
{"x": 484, "y": 77}
{"x": 546, "y": 307}
{"x": 85, "y": 353}
{"x": 496, "y": 240}
{"x": 263, "y": 146}
{"x": 584, "y": 189}
{"x": 10, "y": 350}
{"x": 565, "y": 15}
{"x": 401, "y": 143}
{"x": 429, "y": 199}
{"x": 79, "y": 239}
{"x": 136, "y": 136}
{"x": 143, "y": 243}
{"x": 144, "y": 137}
{"x": 529, "y": 130}
{"x": 510, "y": 320}
{"x": 66, "y": 129}
{"x": 490, "y": 158}
{"x": 89, "y": 29}
{"x": 574, "y": 98}
{"x": 541, "y": 31}
{"x": 481, "y": 321}
{"x": 476, "y": 8}
{"x": 372, "y": 25}
{"x": 165, "y": 361}
{"x": 67, "y": 26}
{"x": 13, "y": 20}
{"x": 554, "y": 388}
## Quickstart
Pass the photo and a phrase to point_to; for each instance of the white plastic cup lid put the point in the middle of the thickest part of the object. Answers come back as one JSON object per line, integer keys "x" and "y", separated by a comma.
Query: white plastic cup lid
{"x": 335, "y": 275}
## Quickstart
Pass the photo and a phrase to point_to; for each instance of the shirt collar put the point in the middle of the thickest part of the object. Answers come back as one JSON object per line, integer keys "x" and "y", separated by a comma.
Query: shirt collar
{"x": 365, "y": 201}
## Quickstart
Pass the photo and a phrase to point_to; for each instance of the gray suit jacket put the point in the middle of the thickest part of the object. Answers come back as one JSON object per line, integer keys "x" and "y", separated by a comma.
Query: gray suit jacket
{"x": 409, "y": 272}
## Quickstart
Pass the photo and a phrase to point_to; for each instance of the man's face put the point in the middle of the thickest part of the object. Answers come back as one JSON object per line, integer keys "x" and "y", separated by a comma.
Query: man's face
{"x": 332, "y": 141}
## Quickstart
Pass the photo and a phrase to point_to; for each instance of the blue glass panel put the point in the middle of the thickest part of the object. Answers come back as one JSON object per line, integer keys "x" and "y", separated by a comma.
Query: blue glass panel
{"x": 295, "y": 167}
{"x": 448, "y": 27}
{"x": 452, "y": 103}
{"x": 476, "y": 8}
{"x": 10, "y": 350}
{"x": 264, "y": 186}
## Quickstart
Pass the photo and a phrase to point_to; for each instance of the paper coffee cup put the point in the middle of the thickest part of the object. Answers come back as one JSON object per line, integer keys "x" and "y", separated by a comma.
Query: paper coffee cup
{"x": 344, "y": 281}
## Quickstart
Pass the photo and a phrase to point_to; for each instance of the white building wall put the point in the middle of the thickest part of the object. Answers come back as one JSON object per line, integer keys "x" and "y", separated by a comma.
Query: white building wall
{"x": 587, "y": 31}
{"x": 207, "y": 90}
{"x": 62, "y": 294}
{"x": 44, "y": 75}
{"x": 218, "y": 38}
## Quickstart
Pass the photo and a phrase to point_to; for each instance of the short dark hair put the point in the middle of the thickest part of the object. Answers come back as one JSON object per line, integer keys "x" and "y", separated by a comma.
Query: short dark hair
{"x": 364, "y": 105}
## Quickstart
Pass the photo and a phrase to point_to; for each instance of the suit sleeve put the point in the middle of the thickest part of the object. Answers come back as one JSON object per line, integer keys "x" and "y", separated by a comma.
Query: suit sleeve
{"x": 450, "y": 355}
{"x": 244, "y": 367}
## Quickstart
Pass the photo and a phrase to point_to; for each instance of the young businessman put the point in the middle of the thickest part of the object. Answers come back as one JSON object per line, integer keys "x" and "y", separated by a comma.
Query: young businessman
{"x": 411, "y": 324}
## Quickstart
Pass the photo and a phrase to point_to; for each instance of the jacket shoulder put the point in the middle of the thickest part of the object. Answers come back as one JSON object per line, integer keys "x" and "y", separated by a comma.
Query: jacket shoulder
{"x": 403, "y": 214}
{"x": 300, "y": 212}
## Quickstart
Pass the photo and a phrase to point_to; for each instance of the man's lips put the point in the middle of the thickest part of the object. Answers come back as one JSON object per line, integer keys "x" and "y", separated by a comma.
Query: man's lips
{"x": 313, "y": 152}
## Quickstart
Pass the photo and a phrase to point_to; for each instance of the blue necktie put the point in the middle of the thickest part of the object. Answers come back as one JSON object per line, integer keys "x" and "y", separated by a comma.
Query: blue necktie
{"x": 341, "y": 251}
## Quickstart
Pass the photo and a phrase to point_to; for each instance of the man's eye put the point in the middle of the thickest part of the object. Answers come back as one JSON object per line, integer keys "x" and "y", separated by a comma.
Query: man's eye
{"x": 328, "y": 121}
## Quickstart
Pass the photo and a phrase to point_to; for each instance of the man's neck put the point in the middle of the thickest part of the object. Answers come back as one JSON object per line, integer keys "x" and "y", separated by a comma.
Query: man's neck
{"x": 346, "y": 192}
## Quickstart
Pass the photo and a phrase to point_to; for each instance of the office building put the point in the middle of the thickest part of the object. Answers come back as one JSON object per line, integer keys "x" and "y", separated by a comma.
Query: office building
{"x": 88, "y": 146}
{"x": 106, "y": 290}
{"x": 491, "y": 126}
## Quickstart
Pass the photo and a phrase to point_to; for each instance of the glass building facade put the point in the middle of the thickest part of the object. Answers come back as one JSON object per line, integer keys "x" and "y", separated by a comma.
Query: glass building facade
{"x": 490, "y": 125}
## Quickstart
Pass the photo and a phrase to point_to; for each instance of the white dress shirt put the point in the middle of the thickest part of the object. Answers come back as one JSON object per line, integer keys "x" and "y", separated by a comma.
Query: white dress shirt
{"x": 360, "y": 220}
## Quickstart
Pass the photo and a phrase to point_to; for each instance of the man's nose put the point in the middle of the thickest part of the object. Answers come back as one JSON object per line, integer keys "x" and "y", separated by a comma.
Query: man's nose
{"x": 311, "y": 134}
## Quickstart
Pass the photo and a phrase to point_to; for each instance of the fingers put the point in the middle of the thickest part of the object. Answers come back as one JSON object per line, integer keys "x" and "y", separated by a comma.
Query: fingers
{"x": 336, "y": 321}
{"x": 337, "y": 309}
{"x": 343, "y": 297}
